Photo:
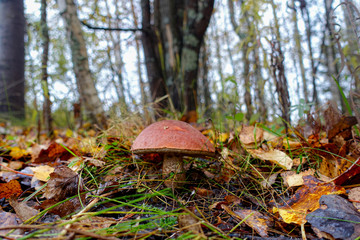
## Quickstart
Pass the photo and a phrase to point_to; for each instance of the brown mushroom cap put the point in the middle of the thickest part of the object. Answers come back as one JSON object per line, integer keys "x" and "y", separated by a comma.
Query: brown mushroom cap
{"x": 172, "y": 136}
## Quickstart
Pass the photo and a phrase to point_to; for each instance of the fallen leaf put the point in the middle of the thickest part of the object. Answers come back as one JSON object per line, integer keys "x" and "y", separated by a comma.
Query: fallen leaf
{"x": 93, "y": 222}
{"x": 266, "y": 183}
{"x": 17, "y": 153}
{"x": 255, "y": 220}
{"x": 63, "y": 183}
{"x": 249, "y": 135}
{"x": 354, "y": 197}
{"x": 306, "y": 199}
{"x": 351, "y": 172}
{"x": 9, "y": 189}
{"x": 23, "y": 211}
{"x": 336, "y": 217}
{"x": 8, "y": 219}
{"x": 275, "y": 156}
{"x": 292, "y": 179}
{"x": 189, "y": 223}
{"x": 42, "y": 172}
{"x": 53, "y": 152}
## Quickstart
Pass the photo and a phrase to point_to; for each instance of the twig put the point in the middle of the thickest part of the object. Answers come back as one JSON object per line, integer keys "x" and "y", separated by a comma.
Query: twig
{"x": 17, "y": 172}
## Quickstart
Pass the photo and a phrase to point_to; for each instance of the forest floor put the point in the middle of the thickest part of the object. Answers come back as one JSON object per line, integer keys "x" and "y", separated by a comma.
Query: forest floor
{"x": 262, "y": 184}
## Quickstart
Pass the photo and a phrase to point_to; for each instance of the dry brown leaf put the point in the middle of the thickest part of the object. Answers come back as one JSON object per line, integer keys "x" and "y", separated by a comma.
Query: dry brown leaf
{"x": 354, "y": 197}
{"x": 275, "y": 156}
{"x": 266, "y": 183}
{"x": 306, "y": 199}
{"x": 250, "y": 135}
{"x": 189, "y": 223}
{"x": 23, "y": 211}
{"x": 94, "y": 222}
{"x": 63, "y": 183}
{"x": 255, "y": 220}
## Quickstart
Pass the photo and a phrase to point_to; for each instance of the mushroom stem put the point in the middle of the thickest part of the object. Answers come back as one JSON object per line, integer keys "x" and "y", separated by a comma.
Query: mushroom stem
{"x": 173, "y": 164}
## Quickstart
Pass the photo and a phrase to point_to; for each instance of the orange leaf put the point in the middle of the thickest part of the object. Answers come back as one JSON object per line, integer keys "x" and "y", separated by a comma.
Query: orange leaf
{"x": 9, "y": 189}
{"x": 306, "y": 200}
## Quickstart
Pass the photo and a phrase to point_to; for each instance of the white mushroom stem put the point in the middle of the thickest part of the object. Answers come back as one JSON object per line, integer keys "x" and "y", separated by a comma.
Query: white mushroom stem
{"x": 173, "y": 163}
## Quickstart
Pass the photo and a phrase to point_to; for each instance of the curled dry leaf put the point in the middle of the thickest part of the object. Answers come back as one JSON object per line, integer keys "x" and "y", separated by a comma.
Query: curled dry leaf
{"x": 251, "y": 136}
{"x": 275, "y": 156}
{"x": 354, "y": 197}
{"x": 23, "y": 211}
{"x": 306, "y": 199}
{"x": 63, "y": 183}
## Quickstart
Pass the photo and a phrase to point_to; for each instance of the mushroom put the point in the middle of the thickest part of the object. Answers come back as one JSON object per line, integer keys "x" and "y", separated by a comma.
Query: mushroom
{"x": 173, "y": 139}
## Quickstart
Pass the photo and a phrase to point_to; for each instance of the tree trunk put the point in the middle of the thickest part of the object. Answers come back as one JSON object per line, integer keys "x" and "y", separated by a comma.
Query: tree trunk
{"x": 12, "y": 59}
{"x": 330, "y": 57}
{"x": 172, "y": 47}
{"x": 152, "y": 61}
{"x": 144, "y": 98}
{"x": 278, "y": 72}
{"x": 44, "y": 74}
{"x": 306, "y": 16}
{"x": 297, "y": 38}
{"x": 86, "y": 86}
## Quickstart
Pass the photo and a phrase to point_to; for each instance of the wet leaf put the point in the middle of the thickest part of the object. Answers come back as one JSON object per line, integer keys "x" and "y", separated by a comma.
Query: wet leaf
{"x": 306, "y": 199}
{"x": 336, "y": 217}
{"x": 53, "y": 152}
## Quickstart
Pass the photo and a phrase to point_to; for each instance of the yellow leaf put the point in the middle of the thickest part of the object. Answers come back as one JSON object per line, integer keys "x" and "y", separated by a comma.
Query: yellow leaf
{"x": 275, "y": 156}
{"x": 17, "y": 152}
{"x": 42, "y": 172}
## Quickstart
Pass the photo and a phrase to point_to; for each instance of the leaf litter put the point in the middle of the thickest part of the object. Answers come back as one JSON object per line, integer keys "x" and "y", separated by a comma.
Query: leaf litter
{"x": 261, "y": 185}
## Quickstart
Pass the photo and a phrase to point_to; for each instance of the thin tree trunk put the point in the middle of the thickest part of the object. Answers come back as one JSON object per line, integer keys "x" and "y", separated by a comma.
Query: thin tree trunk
{"x": 297, "y": 38}
{"x": 278, "y": 72}
{"x": 205, "y": 82}
{"x": 306, "y": 16}
{"x": 219, "y": 67}
{"x": 12, "y": 59}
{"x": 88, "y": 92}
{"x": 330, "y": 57}
{"x": 153, "y": 67}
{"x": 245, "y": 59}
{"x": 117, "y": 66}
{"x": 44, "y": 66}
{"x": 144, "y": 97}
